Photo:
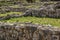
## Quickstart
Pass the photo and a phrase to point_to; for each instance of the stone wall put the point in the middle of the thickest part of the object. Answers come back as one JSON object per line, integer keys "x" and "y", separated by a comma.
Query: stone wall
{"x": 6, "y": 9}
{"x": 28, "y": 31}
{"x": 52, "y": 11}
{"x": 47, "y": 10}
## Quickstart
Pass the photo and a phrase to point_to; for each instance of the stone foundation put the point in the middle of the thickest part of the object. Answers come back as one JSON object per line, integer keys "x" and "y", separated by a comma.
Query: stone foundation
{"x": 28, "y": 31}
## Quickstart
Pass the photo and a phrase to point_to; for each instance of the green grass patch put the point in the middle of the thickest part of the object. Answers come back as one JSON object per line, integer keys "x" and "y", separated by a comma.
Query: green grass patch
{"x": 5, "y": 14}
{"x": 45, "y": 21}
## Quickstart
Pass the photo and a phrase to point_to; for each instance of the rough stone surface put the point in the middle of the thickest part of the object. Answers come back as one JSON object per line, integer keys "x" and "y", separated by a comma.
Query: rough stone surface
{"x": 45, "y": 11}
{"x": 28, "y": 31}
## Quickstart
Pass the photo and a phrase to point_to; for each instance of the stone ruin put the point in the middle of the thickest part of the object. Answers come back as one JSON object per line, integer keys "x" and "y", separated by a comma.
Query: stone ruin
{"x": 47, "y": 10}
{"x": 28, "y": 31}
